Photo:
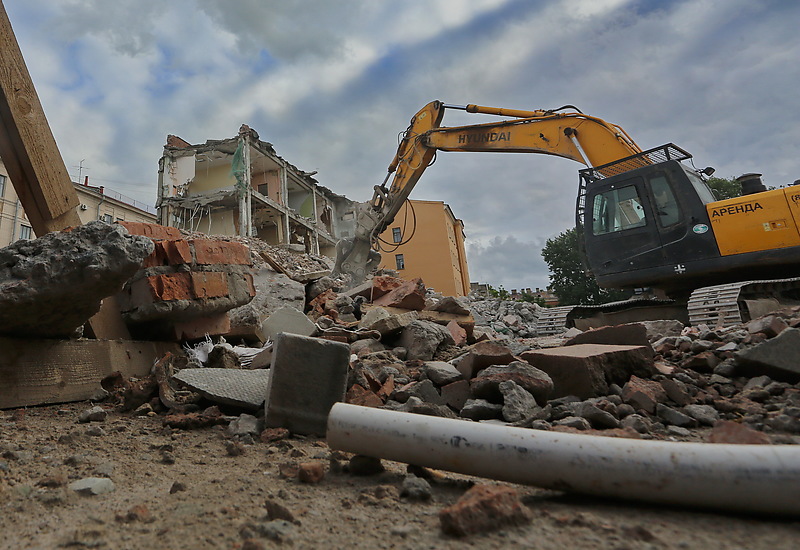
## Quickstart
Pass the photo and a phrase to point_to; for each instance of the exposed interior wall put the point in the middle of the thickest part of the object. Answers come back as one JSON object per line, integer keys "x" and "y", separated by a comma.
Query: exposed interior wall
{"x": 210, "y": 178}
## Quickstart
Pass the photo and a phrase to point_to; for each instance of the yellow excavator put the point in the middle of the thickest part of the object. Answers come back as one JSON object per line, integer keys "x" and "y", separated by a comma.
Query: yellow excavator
{"x": 646, "y": 218}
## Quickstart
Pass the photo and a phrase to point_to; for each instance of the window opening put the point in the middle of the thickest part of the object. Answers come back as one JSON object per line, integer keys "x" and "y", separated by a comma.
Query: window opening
{"x": 400, "y": 261}
{"x": 397, "y": 235}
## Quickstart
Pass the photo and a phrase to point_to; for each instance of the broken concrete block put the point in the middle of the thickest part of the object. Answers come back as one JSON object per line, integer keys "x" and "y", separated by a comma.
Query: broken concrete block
{"x": 482, "y": 355}
{"x": 458, "y": 334}
{"x": 776, "y": 357}
{"x": 377, "y": 318}
{"x": 365, "y": 346}
{"x": 424, "y": 390}
{"x": 518, "y": 403}
{"x": 455, "y": 394}
{"x": 52, "y": 285}
{"x": 643, "y": 394}
{"x": 481, "y": 409}
{"x": 422, "y": 338}
{"x": 308, "y": 376}
{"x": 451, "y": 304}
{"x": 273, "y": 291}
{"x": 441, "y": 373}
{"x": 585, "y": 370}
{"x": 240, "y": 388}
{"x": 631, "y": 334}
{"x": 409, "y": 295}
{"x": 536, "y": 382}
{"x": 771, "y": 325}
{"x": 288, "y": 319}
{"x": 727, "y": 431}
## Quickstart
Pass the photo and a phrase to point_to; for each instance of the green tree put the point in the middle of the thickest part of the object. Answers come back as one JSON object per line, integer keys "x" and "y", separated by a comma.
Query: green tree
{"x": 567, "y": 278}
{"x": 532, "y": 298}
{"x": 725, "y": 188}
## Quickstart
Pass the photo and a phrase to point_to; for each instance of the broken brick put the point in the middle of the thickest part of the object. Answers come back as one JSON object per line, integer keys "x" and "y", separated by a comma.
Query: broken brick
{"x": 483, "y": 508}
{"x": 726, "y": 431}
{"x": 409, "y": 295}
{"x": 209, "y": 284}
{"x": 151, "y": 230}
{"x": 209, "y": 252}
{"x": 311, "y": 472}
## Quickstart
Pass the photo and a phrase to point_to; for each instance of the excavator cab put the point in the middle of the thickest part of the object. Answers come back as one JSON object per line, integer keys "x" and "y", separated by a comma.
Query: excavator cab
{"x": 642, "y": 226}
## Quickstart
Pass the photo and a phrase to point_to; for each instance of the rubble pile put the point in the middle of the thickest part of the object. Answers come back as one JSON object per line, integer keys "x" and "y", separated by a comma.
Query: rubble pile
{"x": 508, "y": 317}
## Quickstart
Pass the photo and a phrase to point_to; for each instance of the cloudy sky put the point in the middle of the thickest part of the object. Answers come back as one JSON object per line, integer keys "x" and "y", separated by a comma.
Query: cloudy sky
{"x": 331, "y": 83}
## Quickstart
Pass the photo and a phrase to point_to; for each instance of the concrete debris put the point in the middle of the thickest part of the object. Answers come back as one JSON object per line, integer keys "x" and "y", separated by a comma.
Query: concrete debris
{"x": 308, "y": 375}
{"x": 484, "y": 508}
{"x": 290, "y": 320}
{"x": 236, "y": 387}
{"x": 51, "y": 286}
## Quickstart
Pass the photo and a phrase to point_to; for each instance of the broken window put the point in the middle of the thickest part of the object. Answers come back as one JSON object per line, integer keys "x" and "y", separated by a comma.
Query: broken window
{"x": 2, "y": 186}
{"x": 616, "y": 210}
{"x": 397, "y": 235}
{"x": 107, "y": 218}
{"x": 25, "y": 232}
{"x": 400, "y": 261}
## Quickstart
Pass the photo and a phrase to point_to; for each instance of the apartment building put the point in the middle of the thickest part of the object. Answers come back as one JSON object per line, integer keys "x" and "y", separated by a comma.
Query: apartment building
{"x": 240, "y": 186}
{"x": 96, "y": 203}
{"x": 426, "y": 240}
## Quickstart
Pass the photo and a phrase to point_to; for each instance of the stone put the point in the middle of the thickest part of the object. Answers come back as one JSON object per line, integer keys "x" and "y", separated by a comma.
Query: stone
{"x": 598, "y": 418}
{"x": 643, "y": 394}
{"x": 676, "y": 391}
{"x": 409, "y": 295}
{"x": 533, "y": 380}
{"x": 457, "y": 333}
{"x": 244, "y": 424}
{"x": 575, "y": 422}
{"x": 480, "y": 409}
{"x": 704, "y": 414}
{"x": 636, "y": 422}
{"x": 289, "y": 320}
{"x": 422, "y": 338}
{"x": 451, "y": 304}
{"x": 92, "y": 486}
{"x": 236, "y": 387}
{"x": 727, "y": 431}
{"x": 675, "y": 418}
{"x": 423, "y": 389}
{"x": 52, "y": 285}
{"x": 308, "y": 375}
{"x": 95, "y": 414}
{"x": 757, "y": 382}
{"x": 586, "y": 370}
{"x": 770, "y": 325}
{"x": 273, "y": 291}
{"x": 311, "y": 472}
{"x": 662, "y": 328}
{"x": 518, "y": 403}
{"x": 377, "y": 318}
{"x": 415, "y": 488}
{"x": 358, "y": 395}
{"x": 482, "y": 355}
{"x": 366, "y": 345}
{"x": 455, "y": 394}
{"x": 483, "y": 508}
{"x": 441, "y": 373}
{"x": 776, "y": 357}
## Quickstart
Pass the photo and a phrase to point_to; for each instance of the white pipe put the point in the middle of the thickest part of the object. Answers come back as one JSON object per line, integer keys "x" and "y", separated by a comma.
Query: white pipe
{"x": 751, "y": 478}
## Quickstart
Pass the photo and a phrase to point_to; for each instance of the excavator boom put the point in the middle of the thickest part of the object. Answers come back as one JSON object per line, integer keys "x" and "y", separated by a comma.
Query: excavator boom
{"x": 572, "y": 135}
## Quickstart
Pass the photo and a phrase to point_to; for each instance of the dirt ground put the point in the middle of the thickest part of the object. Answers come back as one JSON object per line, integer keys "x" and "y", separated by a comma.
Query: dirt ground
{"x": 186, "y": 489}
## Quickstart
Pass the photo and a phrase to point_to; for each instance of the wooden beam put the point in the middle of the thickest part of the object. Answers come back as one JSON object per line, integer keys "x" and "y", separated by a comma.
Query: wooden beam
{"x": 38, "y": 372}
{"x": 27, "y": 145}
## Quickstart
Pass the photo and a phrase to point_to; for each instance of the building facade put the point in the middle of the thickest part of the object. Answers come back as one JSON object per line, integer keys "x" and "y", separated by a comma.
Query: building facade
{"x": 96, "y": 203}
{"x": 240, "y": 186}
{"x": 426, "y": 240}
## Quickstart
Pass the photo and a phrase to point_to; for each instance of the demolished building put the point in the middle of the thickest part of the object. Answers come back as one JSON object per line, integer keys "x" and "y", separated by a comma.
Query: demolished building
{"x": 240, "y": 186}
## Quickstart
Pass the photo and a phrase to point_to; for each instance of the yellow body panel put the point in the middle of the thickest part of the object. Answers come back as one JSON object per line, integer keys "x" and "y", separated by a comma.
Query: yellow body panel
{"x": 761, "y": 221}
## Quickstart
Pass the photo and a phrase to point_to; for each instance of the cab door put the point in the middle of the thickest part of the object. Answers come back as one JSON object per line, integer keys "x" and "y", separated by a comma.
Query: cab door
{"x": 620, "y": 228}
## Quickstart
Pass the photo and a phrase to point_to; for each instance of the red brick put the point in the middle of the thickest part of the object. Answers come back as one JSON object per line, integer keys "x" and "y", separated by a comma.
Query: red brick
{"x": 311, "y": 472}
{"x": 210, "y": 252}
{"x": 483, "y": 508}
{"x": 409, "y": 295}
{"x": 177, "y": 252}
{"x": 459, "y": 334}
{"x": 643, "y": 394}
{"x": 172, "y": 286}
{"x": 357, "y": 395}
{"x": 383, "y": 284}
{"x": 726, "y": 431}
{"x": 251, "y": 286}
{"x": 209, "y": 284}
{"x": 152, "y": 230}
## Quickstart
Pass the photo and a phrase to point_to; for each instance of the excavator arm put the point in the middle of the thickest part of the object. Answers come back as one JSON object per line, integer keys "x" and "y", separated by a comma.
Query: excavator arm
{"x": 572, "y": 135}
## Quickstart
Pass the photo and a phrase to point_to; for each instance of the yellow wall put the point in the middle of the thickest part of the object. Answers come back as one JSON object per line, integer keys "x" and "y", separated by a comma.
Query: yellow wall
{"x": 435, "y": 252}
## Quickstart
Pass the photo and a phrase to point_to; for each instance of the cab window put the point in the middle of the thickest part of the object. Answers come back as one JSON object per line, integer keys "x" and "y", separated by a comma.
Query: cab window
{"x": 617, "y": 210}
{"x": 667, "y": 210}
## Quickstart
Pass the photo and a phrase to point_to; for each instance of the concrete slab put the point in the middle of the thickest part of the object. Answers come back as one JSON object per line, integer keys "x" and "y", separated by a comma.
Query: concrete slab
{"x": 240, "y": 388}
{"x": 288, "y": 319}
{"x": 308, "y": 376}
